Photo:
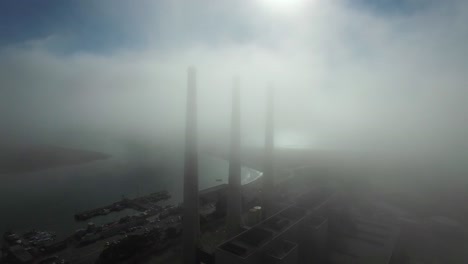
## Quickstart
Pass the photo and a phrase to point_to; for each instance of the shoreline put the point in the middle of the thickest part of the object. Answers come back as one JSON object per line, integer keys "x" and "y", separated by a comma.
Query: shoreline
{"x": 22, "y": 159}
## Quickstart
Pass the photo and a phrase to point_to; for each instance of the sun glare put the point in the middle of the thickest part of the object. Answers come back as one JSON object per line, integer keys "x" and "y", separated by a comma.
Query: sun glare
{"x": 282, "y": 6}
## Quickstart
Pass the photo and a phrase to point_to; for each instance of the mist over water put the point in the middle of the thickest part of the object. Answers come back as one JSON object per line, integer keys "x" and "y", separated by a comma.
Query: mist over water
{"x": 49, "y": 199}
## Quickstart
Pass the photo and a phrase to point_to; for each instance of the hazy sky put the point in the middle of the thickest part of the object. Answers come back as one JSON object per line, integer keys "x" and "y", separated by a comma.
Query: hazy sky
{"x": 359, "y": 73}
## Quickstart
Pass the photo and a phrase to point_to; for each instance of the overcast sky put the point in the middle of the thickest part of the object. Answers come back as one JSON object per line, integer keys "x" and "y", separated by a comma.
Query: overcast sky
{"x": 368, "y": 74}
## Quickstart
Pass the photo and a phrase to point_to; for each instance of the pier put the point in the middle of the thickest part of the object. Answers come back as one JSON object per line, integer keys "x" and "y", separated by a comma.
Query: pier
{"x": 140, "y": 203}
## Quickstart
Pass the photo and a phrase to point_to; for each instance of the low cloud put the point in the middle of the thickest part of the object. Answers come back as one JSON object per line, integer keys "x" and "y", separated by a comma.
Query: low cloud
{"x": 345, "y": 76}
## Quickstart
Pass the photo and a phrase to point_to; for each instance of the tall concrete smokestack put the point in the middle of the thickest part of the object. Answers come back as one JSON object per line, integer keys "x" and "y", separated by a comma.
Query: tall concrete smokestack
{"x": 268, "y": 173}
{"x": 234, "y": 209}
{"x": 191, "y": 221}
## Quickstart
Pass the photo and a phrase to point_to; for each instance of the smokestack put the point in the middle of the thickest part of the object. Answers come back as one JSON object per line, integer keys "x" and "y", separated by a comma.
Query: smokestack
{"x": 268, "y": 173}
{"x": 191, "y": 221}
{"x": 234, "y": 209}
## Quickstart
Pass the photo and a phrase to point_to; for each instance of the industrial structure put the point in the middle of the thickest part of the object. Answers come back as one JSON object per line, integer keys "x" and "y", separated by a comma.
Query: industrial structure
{"x": 308, "y": 230}
{"x": 191, "y": 221}
{"x": 286, "y": 237}
{"x": 269, "y": 171}
{"x": 234, "y": 197}
{"x": 302, "y": 223}
{"x": 294, "y": 214}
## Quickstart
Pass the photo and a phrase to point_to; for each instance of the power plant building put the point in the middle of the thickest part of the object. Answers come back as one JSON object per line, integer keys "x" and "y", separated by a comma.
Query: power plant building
{"x": 303, "y": 225}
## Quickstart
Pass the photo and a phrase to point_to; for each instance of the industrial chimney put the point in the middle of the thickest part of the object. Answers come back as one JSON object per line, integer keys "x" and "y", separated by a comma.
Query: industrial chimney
{"x": 191, "y": 221}
{"x": 268, "y": 173}
{"x": 234, "y": 209}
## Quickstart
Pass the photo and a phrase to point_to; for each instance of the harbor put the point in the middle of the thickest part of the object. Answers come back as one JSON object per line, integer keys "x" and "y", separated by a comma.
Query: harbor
{"x": 153, "y": 223}
{"x": 140, "y": 203}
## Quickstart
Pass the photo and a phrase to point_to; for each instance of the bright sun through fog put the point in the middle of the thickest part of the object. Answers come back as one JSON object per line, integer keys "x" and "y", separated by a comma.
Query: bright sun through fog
{"x": 282, "y": 6}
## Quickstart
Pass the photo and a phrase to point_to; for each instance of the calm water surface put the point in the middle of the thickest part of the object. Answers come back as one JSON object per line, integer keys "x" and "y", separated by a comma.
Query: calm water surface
{"x": 48, "y": 199}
